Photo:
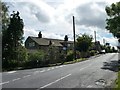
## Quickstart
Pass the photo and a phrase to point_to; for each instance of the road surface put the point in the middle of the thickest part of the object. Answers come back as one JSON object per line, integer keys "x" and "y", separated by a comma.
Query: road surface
{"x": 96, "y": 72}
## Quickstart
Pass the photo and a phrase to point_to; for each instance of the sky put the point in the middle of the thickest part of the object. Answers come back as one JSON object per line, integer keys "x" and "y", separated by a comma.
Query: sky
{"x": 54, "y": 18}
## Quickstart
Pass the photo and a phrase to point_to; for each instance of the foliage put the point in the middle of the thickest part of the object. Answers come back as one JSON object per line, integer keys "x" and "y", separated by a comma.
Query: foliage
{"x": 4, "y": 15}
{"x": 12, "y": 40}
{"x": 35, "y": 59}
{"x": 92, "y": 52}
{"x": 102, "y": 47}
{"x": 22, "y": 55}
{"x": 53, "y": 55}
{"x": 84, "y": 42}
{"x": 113, "y": 22}
{"x": 70, "y": 56}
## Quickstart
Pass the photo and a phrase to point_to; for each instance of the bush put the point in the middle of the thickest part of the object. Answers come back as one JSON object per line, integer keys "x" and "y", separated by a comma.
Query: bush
{"x": 70, "y": 56}
{"x": 92, "y": 52}
{"x": 35, "y": 59}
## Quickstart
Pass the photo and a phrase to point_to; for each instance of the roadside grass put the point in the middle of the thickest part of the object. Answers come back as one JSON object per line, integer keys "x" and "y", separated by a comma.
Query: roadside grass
{"x": 117, "y": 82}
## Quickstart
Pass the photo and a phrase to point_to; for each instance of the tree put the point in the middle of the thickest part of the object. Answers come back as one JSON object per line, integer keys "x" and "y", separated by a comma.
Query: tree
{"x": 12, "y": 39}
{"x": 4, "y": 20}
{"x": 113, "y": 21}
{"x": 84, "y": 42}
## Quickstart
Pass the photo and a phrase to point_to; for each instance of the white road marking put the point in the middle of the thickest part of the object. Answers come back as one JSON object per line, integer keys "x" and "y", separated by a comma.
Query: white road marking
{"x": 36, "y": 72}
{"x": 52, "y": 68}
{"x": 48, "y": 70}
{"x": 89, "y": 86}
{"x": 85, "y": 67}
{"x": 55, "y": 81}
{"x": 57, "y": 67}
{"x": 26, "y": 76}
{"x": 60, "y": 66}
{"x": 12, "y": 72}
{"x": 82, "y": 69}
{"x": 42, "y": 71}
{"x": 16, "y": 79}
{"x": 4, "y": 83}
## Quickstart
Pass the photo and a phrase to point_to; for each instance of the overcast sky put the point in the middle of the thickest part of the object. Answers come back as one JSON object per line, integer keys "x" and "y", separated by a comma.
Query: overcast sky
{"x": 54, "y": 17}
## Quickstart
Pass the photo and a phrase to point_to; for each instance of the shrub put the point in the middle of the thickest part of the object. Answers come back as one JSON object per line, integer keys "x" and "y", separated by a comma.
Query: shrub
{"x": 92, "y": 52}
{"x": 35, "y": 59}
{"x": 70, "y": 56}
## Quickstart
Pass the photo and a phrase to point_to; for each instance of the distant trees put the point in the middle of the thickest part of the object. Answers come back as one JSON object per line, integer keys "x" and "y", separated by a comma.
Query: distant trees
{"x": 113, "y": 22}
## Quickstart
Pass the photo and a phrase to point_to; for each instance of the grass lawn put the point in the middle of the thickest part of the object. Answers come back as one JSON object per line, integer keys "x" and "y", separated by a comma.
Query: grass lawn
{"x": 118, "y": 81}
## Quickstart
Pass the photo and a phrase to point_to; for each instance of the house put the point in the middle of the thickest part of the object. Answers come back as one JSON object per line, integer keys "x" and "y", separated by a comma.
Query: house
{"x": 33, "y": 44}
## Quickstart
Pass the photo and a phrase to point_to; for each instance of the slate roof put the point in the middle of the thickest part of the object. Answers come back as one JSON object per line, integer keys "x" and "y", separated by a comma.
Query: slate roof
{"x": 46, "y": 41}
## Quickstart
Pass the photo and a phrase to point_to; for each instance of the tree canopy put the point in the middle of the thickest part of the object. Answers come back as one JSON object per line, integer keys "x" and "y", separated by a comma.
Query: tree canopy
{"x": 12, "y": 36}
{"x": 84, "y": 42}
{"x": 113, "y": 20}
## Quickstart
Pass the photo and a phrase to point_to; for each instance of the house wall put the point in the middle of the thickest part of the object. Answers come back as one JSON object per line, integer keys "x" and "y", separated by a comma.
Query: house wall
{"x": 30, "y": 44}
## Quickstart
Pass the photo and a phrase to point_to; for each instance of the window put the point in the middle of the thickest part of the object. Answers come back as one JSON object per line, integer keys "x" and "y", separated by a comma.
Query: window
{"x": 31, "y": 44}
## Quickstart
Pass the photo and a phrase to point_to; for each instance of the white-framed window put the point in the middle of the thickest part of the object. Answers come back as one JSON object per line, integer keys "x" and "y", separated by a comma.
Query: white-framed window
{"x": 31, "y": 44}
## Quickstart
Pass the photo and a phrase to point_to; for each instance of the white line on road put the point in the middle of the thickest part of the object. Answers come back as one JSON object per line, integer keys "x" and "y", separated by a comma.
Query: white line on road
{"x": 16, "y": 79}
{"x": 89, "y": 86}
{"x": 48, "y": 70}
{"x": 57, "y": 66}
{"x": 85, "y": 67}
{"x": 12, "y": 72}
{"x": 52, "y": 68}
{"x": 26, "y": 76}
{"x": 55, "y": 81}
{"x": 82, "y": 69}
{"x": 4, "y": 82}
{"x": 36, "y": 72}
{"x": 42, "y": 71}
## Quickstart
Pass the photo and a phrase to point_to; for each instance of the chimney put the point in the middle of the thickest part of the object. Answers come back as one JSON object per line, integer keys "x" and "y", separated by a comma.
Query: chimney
{"x": 66, "y": 38}
{"x": 40, "y": 35}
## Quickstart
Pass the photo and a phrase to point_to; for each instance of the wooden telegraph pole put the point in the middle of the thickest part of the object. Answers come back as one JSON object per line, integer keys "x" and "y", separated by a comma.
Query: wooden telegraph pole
{"x": 74, "y": 38}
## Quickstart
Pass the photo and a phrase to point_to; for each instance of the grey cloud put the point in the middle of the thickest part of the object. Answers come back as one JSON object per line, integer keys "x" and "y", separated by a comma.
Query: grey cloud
{"x": 32, "y": 9}
{"x": 91, "y": 17}
{"x": 87, "y": 15}
{"x": 39, "y": 13}
{"x": 54, "y": 3}
{"x": 42, "y": 17}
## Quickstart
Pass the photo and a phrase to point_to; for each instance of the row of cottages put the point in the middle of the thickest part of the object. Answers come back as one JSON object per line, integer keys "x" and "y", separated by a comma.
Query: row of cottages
{"x": 33, "y": 44}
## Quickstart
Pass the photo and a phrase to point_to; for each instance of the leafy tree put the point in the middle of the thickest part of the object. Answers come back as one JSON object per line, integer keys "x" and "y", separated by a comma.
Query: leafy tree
{"x": 84, "y": 42}
{"x": 4, "y": 19}
{"x": 12, "y": 39}
{"x": 113, "y": 21}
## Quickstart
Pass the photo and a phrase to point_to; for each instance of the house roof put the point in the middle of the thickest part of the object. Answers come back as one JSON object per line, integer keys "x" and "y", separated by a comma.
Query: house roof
{"x": 46, "y": 41}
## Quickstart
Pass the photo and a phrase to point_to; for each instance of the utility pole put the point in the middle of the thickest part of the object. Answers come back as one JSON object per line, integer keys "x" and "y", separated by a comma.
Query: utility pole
{"x": 103, "y": 41}
{"x": 74, "y": 38}
{"x": 95, "y": 35}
